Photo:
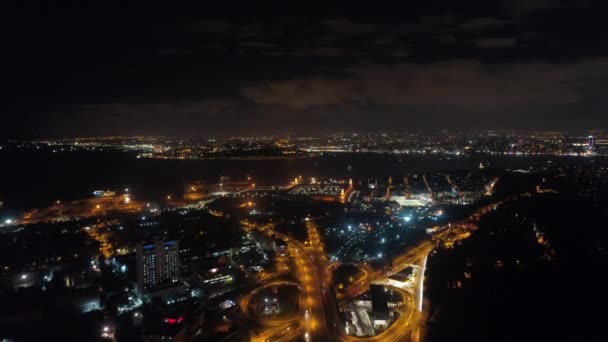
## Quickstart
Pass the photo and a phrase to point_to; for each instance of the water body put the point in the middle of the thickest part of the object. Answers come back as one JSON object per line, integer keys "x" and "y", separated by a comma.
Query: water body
{"x": 37, "y": 178}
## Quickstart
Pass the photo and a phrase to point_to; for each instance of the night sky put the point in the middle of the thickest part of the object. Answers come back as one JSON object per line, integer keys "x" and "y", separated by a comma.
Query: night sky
{"x": 88, "y": 70}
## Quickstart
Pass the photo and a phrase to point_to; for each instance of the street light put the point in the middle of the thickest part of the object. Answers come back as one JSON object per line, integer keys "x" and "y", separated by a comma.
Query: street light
{"x": 107, "y": 332}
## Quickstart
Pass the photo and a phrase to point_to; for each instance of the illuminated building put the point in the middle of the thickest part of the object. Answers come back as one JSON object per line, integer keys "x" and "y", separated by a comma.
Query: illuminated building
{"x": 104, "y": 193}
{"x": 157, "y": 263}
{"x": 215, "y": 276}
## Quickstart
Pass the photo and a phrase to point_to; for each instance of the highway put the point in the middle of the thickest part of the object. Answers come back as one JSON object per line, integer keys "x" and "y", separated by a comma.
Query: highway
{"x": 310, "y": 263}
{"x": 399, "y": 330}
{"x": 316, "y": 252}
{"x": 318, "y": 309}
{"x": 311, "y": 308}
{"x": 413, "y": 325}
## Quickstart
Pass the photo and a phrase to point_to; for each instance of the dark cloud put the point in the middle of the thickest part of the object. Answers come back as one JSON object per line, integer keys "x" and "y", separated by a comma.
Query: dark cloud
{"x": 384, "y": 40}
{"x": 445, "y": 19}
{"x": 426, "y": 25}
{"x": 539, "y": 6}
{"x": 251, "y": 30}
{"x": 488, "y": 42}
{"x": 446, "y": 39}
{"x": 327, "y": 51}
{"x": 347, "y": 26}
{"x": 399, "y": 53}
{"x": 271, "y": 67}
{"x": 483, "y": 23}
{"x": 173, "y": 52}
{"x": 460, "y": 84}
{"x": 259, "y": 44}
{"x": 176, "y": 110}
{"x": 210, "y": 27}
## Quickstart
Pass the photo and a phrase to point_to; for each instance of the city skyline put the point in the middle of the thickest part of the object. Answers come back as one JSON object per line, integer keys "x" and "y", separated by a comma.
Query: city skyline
{"x": 273, "y": 171}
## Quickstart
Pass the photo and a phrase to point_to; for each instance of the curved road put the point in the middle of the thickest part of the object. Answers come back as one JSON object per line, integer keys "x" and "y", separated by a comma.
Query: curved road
{"x": 244, "y": 304}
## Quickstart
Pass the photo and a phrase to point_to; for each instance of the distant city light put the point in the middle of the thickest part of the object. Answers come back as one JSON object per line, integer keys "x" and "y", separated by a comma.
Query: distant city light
{"x": 407, "y": 218}
{"x": 23, "y": 276}
{"x": 8, "y": 221}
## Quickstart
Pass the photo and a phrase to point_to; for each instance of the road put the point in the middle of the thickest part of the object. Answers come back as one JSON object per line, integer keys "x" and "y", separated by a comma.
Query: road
{"x": 310, "y": 263}
{"x": 269, "y": 322}
{"x": 399, "y": 330}
{"x": 396, "y": 332}
{"x": 413, "y": 325}
{"x": 311, "y": 302}
{"x": 316, "y": 251}
{"x": 318, "y": 310}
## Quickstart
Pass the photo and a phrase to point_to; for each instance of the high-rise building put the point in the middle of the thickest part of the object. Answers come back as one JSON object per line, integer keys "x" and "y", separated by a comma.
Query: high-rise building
{"x": 157, "y": 263}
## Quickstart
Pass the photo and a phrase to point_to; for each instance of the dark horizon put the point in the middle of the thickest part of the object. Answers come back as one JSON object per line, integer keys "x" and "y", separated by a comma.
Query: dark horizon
{"x": 87, "y": 70}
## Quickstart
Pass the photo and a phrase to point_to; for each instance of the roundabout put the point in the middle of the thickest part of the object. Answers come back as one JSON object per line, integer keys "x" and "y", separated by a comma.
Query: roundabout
{"x": 273, "y": 304}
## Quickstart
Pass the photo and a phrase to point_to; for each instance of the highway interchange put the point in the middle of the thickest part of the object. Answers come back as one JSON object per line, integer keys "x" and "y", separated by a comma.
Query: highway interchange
{"x": 318, "y": 310}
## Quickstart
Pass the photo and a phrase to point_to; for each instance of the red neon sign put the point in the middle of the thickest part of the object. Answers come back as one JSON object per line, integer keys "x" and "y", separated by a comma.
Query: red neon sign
{"x": 173, "y": 320}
